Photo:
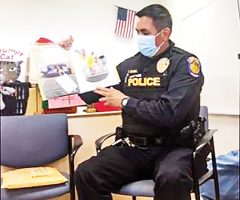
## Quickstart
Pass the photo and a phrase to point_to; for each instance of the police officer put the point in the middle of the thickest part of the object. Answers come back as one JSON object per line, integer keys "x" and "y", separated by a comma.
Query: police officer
{"x": 159, "y": 94}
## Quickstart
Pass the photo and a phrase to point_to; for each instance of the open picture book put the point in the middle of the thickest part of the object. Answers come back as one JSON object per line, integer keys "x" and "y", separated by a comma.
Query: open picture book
{"x": 63, "y": 72}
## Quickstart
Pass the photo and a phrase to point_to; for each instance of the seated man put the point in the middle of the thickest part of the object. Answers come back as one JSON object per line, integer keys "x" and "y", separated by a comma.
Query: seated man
{"x": 159, "y": 94}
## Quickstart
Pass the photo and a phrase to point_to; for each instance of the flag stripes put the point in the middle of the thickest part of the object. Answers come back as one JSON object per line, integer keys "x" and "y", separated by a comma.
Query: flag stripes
{"x": 125, "y": 23}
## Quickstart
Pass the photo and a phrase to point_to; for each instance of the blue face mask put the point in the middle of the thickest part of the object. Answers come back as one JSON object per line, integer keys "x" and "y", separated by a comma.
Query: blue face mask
{"x": 147, "y": 46}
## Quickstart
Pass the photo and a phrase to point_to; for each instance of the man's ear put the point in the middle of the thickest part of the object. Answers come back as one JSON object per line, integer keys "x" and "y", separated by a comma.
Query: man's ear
{"x": 163, "y": 35}
{"x": 166, "y": 32}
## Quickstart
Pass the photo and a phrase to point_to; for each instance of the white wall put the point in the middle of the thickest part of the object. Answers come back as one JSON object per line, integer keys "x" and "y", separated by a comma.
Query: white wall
{"x": 227, "y": 136}
{"x": 211, "y": 30}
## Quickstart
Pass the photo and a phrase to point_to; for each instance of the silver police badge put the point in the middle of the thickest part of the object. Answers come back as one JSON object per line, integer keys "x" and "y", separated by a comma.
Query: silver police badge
{"x": 162, "y": 65}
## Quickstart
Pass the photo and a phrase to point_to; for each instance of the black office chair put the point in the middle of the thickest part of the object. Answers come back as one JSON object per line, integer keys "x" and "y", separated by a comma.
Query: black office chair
{"x": 205, "y": 145}
{"x": 38, "y": 140}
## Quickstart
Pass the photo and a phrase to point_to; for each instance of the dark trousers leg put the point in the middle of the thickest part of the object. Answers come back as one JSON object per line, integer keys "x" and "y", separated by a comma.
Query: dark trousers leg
{"x": 97, "y": 177}
{"x": 173, "y": 174}
{"x": 85, "y": 189}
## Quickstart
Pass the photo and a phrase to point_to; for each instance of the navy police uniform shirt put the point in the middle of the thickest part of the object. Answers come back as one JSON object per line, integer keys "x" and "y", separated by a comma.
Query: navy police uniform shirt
{"x": 164, "y": 92}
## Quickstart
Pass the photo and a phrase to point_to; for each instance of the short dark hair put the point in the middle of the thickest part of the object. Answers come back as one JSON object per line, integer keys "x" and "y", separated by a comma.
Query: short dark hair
{"x": 160, "y": 15}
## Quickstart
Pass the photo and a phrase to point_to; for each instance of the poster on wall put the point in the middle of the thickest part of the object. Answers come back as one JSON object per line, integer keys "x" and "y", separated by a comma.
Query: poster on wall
{"x": 12, "y": 65}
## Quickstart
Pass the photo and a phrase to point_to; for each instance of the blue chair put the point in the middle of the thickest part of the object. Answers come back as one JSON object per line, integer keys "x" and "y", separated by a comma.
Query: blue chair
{"x": 145, "y": 188}
{"x": 38, "y": 140}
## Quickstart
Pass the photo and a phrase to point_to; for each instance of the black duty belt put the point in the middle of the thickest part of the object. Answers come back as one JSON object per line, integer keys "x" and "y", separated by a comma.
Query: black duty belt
{"x": 144, "y": 142}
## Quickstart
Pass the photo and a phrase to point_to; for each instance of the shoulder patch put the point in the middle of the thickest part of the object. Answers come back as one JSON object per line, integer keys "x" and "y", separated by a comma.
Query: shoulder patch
{"x": 193, "y": 66}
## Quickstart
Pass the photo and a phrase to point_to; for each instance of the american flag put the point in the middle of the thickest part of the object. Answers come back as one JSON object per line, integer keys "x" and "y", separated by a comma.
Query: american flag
{"x": 125, "y": 23}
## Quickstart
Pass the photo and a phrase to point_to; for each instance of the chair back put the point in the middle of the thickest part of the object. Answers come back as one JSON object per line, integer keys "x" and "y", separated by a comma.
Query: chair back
{"x": 29, "y": 141}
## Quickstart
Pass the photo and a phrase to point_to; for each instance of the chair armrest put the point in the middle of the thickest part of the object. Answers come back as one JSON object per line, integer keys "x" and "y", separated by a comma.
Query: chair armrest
{"x": 76, "y": 143}
{"x": 205, "y": 139}
{"x": 100, "y": 141}
{"x": 204, "y": 146}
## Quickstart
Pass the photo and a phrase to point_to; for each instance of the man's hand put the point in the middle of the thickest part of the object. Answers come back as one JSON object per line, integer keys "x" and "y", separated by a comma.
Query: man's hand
{"x": 66, "y": 44}
{"x": 111, "y": 96}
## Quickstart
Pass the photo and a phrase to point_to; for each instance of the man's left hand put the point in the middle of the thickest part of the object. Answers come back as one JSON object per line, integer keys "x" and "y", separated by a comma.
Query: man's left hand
{"x": 111, "y": 96}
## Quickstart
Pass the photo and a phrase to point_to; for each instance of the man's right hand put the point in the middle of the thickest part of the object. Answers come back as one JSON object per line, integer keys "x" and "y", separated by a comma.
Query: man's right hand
{"x": 66, "y": 44}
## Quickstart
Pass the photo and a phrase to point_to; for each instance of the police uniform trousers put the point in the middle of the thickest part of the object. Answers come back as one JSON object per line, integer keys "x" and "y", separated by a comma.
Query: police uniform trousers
{"x": 114, "y": 166}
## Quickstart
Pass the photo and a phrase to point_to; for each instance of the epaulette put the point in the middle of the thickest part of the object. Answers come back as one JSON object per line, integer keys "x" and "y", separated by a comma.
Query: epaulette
{"x": 180, "y": 51}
